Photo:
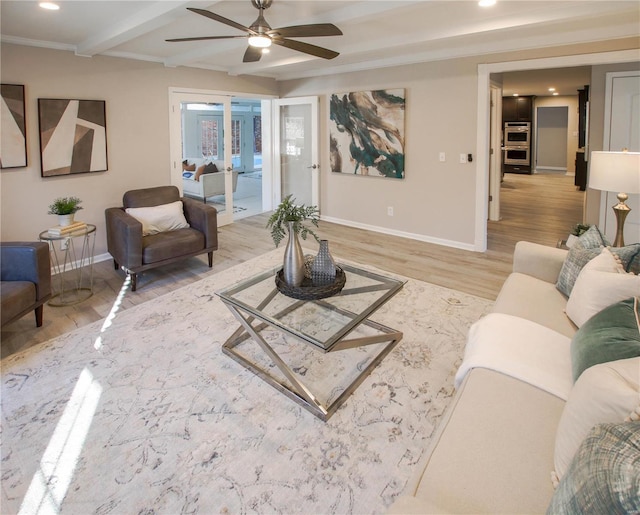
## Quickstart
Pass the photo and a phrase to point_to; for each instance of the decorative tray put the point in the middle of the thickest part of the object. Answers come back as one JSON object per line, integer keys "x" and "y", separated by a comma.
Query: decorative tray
{"x": 307, "y": 290}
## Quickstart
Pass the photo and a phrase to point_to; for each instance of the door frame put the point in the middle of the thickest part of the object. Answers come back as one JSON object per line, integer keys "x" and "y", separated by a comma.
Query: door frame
{"x": 482, "y": 129}
{"x": 176, "y": 96}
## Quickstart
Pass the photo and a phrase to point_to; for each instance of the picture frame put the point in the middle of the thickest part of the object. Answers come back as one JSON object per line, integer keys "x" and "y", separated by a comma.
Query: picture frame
{"x": 13, "y": 140}
{"x": 366, "y": 133}
{"x": 73, "y": 136}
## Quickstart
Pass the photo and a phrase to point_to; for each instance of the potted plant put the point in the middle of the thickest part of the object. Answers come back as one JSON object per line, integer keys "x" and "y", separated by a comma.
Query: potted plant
{"x": 65, "y": 208}
{"x": 292, "y": 217}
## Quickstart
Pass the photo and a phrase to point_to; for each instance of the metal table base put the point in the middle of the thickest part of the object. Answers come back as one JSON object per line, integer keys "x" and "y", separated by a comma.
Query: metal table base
{"x": 299, "y": 392}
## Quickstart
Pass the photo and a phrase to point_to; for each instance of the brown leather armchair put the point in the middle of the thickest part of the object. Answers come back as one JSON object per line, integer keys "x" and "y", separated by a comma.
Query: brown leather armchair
{"x": 137, "y": 253}
{"x": 25, "y": 274}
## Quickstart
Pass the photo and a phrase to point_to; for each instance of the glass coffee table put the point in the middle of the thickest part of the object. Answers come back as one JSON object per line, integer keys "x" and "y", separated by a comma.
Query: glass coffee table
{"x": 298, "y": 340}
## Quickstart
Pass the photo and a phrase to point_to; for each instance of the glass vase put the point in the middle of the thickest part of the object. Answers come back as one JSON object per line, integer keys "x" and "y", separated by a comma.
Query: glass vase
{"x": 323, "y": 270}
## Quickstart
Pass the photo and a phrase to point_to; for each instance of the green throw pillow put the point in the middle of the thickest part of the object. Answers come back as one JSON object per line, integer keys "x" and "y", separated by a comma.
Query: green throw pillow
{"x": 588, "y": 246}
{"x": 609, "y": 335}
{"x": 604, "y": 475}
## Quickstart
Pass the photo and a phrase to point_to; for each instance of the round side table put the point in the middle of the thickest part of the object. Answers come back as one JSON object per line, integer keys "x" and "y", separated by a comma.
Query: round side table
{"x": 74, "y": 272}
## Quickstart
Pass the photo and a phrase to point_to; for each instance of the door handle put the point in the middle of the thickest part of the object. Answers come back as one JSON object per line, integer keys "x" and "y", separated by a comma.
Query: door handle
{"x": 229, "y": 169}
{"x": 313, "y": 167}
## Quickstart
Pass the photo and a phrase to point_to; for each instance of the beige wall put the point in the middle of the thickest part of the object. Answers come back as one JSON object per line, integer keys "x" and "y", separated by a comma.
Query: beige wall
{"x": 436, "y": 202}
{"x": 137, "y": 100}
{"x": 572, "y": 124}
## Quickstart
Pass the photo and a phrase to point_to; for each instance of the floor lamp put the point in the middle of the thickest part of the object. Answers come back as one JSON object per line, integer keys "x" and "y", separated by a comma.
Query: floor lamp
{"x": 616, "y": 171}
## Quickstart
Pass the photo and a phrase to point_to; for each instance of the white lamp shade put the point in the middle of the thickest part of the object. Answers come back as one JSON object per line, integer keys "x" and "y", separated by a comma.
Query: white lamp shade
{"x": 615, "y": 171}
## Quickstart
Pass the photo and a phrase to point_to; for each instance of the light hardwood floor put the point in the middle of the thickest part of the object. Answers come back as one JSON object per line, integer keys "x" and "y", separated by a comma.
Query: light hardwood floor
{"x": 540, "y": 208}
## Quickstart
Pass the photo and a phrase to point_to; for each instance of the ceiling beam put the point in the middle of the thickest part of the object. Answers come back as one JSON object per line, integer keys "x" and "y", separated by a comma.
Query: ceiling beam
{"x": 351, "y": 13}
{"x": 153, "y": 16}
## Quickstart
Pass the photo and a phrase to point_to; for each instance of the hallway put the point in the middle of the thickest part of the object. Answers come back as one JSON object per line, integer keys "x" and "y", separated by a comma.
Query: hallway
{"x": 541, "y": 208}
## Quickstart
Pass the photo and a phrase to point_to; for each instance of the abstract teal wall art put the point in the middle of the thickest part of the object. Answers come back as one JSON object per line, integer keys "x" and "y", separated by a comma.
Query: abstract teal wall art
{"x": 366, "y": 133}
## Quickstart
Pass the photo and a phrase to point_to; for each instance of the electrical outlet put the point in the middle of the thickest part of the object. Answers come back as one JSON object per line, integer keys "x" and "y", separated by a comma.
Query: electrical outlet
{"x": 64, "y": 244}
{"x": 390, "y": 211}
{"x": 463, "y": 158}
{"x": 442, "y": 157}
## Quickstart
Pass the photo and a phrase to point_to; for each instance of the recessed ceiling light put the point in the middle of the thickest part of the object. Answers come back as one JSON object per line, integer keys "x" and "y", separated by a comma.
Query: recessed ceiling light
{"x": 556, "y": 94}
{"x": 552, "y": 89}
{"x": 49, "y": 5}
{"x": 516, "y": 95}
{"x": 486, "y": 3}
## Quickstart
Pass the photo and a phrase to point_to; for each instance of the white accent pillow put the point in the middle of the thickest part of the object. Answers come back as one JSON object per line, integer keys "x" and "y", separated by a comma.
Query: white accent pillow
{"x": 162, "y": 218}
{"x": 601, "y": 283}
{"x": 607, "y": 392}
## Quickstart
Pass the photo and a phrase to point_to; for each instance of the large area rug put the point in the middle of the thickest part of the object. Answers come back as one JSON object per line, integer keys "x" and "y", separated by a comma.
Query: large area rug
{"x": 142, "y": 413}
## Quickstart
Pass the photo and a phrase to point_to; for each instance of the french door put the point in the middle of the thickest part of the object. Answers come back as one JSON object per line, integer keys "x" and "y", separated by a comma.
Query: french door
{"x": 201, "y": 129}
{"x": 296, "y": 165}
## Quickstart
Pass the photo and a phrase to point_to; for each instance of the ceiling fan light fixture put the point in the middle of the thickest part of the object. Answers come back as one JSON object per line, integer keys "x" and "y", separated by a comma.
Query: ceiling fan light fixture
{"x": 260, "y": 41}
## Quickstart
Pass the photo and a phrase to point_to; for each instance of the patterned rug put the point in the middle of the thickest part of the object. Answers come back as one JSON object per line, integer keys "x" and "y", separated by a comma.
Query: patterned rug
{"x": 142, "y": 413}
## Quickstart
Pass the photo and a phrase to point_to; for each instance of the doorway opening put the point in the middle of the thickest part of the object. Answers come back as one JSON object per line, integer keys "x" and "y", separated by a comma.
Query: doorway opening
{"x": 203, "y": 140}
{"x": 552, "y": 126}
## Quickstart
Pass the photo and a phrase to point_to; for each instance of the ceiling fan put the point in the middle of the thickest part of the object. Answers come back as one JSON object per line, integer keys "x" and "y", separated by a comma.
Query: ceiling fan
{"x": 260, "y": 34}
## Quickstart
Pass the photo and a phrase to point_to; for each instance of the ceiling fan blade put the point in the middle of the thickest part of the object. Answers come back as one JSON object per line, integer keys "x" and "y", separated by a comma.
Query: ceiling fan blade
{"x": 252, "y": 54}
{"x": 221, "y": 19}
{"x": 204, "y": 38}
{"x": 302, "y": 31}
{"x": 306, "y": 48}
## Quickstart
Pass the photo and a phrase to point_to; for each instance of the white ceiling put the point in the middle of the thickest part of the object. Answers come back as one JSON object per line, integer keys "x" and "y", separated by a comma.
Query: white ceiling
{"x": 376, "y": 33}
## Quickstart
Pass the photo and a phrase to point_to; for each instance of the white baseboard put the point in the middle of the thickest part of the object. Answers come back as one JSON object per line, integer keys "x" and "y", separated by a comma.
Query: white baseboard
{"x": 402, "y": 234}
{"x": 552, "y": 168}
{"x": 97, "y": 259}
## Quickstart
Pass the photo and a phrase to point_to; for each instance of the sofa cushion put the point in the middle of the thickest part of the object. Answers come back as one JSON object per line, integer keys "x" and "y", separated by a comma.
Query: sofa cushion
{"x": 610, "y": 335}
{"x": 604, "y": 476}
{"x": 522, "y": 349}
{"x": 492, "y": 451}
{"x": 601, "y": 283}
{"x": 155, "y": 219}
{"x": 535, "y": 300}
{"x": 16, "y": 297}
{"x": 607, "y": 392}
{"x": 188, "y": 167}
{"x": 167, "y": 245}
{"x": 586, "y": 248}
{"x": 205, "y": 168}
{"x": 629, "y": 256}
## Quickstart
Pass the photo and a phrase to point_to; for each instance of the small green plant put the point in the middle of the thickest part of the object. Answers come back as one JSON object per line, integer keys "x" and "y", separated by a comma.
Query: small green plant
{"x": 65, "y": 206}
{"x": 288, "y": 211}
{"x": 580, "y": 229}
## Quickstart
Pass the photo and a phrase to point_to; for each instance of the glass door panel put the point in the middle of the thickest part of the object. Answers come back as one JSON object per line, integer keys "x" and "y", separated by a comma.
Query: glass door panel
{"x": 204, "y": 123}
{"x": 297, "y": 144}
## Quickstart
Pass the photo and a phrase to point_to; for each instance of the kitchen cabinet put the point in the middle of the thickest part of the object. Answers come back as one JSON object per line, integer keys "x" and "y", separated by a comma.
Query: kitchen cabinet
{"x": 517, "y": 109}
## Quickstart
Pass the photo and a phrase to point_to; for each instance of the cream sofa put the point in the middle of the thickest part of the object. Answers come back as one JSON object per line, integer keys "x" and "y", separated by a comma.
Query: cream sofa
{"x": 493, "y": 452}
{"x": 207, "y": 185}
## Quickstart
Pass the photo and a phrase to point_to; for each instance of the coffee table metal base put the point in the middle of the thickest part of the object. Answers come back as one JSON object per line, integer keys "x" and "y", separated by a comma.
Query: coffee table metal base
{"x": 297, "y": 391}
